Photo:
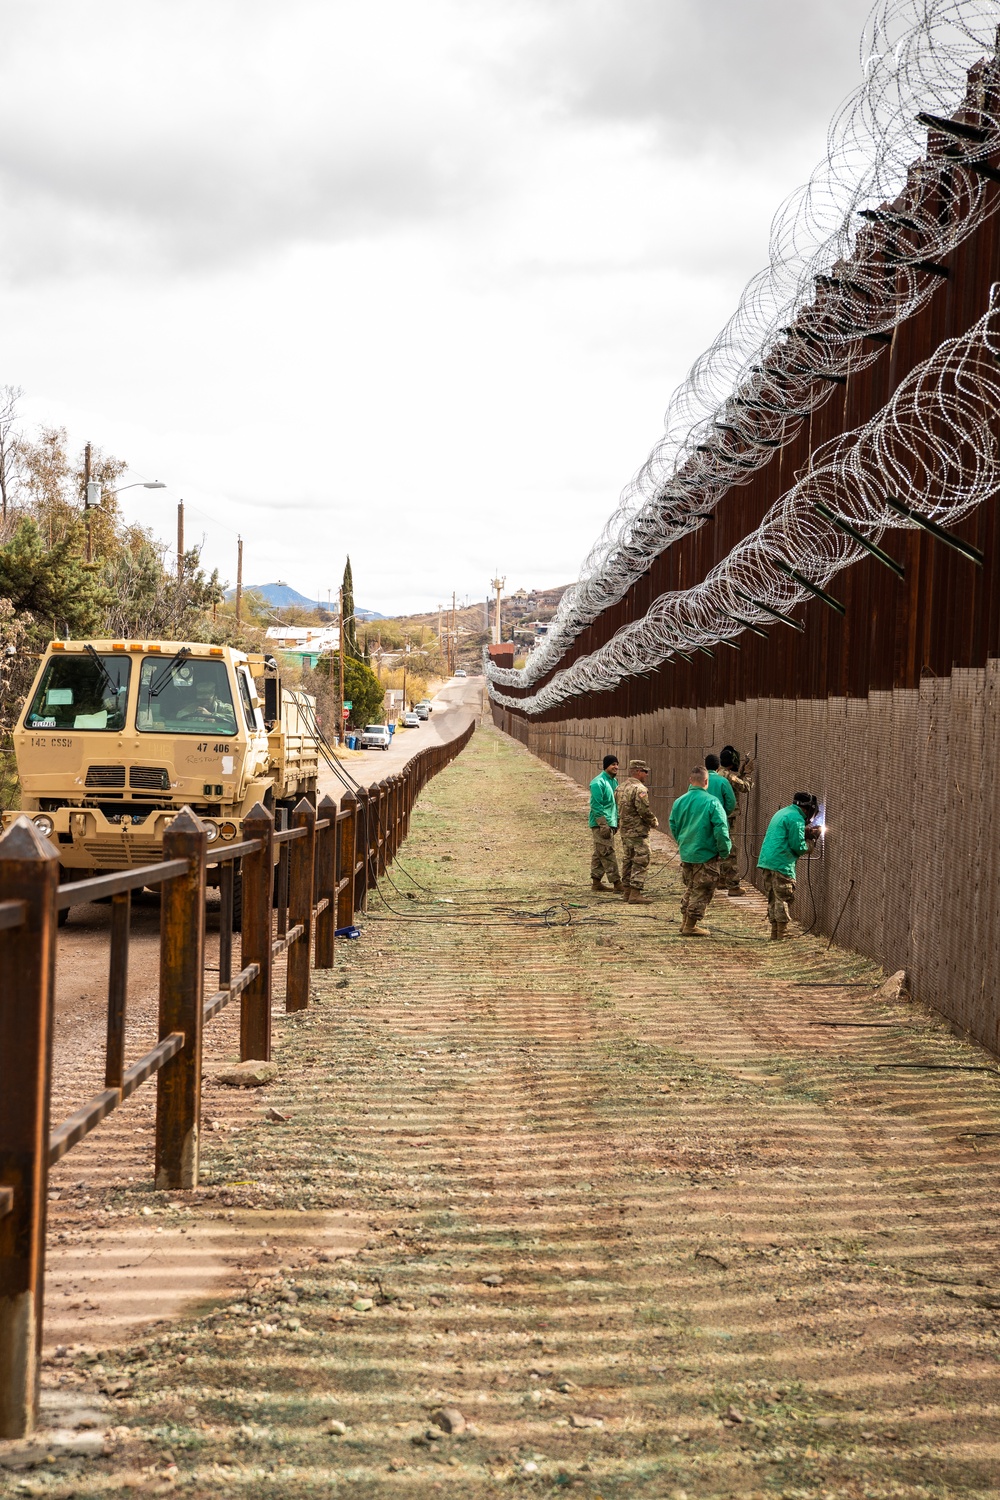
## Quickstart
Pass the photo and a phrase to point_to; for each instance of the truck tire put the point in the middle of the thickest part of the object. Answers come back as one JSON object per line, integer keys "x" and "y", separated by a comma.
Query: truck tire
{"x": 62, "y": 917}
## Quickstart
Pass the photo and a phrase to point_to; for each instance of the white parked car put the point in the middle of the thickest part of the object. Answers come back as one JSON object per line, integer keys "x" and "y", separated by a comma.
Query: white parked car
{"x": 411, "y": 720}
{"x": 461, "y": 672}
{"x": 375, "y": 737}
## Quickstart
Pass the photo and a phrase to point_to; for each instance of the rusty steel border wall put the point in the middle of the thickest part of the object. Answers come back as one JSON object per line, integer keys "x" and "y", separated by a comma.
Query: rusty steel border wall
{"x": 945, "y": 614}
{"x": 890, "y": 714}
{"x": 909, "y": 783}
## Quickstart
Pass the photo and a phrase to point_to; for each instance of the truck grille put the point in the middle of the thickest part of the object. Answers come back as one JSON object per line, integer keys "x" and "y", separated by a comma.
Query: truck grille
{"x": 115, "y": 855}
{"x": 149, "y": 778}
{"x": 106, "y": 776}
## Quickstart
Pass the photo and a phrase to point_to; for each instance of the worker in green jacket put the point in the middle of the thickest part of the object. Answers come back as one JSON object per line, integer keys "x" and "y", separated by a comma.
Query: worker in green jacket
{"x": 719, "y": 786}
{"x": 699, "y": 824}
{"x": 603, "y": 822}
{"x": 788, "y": 836}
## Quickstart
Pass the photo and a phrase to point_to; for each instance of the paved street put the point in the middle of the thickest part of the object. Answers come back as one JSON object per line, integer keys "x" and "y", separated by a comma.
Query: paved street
{"x": 458, "y": 701}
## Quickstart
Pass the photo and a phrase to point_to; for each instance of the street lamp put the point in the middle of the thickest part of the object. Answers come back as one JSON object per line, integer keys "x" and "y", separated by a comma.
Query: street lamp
{"x": 92, "y": 499}
{"x": 94, "y": 489}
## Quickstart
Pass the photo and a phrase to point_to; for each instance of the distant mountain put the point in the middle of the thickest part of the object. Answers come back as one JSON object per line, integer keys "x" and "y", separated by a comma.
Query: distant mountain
{"x": 283, "y": 596}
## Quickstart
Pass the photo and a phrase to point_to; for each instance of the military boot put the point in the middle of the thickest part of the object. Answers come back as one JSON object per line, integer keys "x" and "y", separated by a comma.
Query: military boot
{"x": 692, "y": 928}
{"x": 621, "y": 889}
{"x": 736, "y": 890}
{"x": 597, "y": 885}
{"x": 635, "y": 896}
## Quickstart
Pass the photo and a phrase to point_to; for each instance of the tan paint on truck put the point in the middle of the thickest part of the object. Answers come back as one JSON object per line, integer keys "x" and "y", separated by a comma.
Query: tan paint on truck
{"x": 113, "y": 767}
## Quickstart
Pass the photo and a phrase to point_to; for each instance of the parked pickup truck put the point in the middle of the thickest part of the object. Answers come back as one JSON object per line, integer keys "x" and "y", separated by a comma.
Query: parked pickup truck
{"x": 375, "y": 737}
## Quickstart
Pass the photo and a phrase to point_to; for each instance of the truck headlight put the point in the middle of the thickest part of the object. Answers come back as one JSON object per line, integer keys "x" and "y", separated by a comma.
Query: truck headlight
{"x": 43, "y": 823}
{"x": 211, "y": 832}
{"x": 229, "y": 830}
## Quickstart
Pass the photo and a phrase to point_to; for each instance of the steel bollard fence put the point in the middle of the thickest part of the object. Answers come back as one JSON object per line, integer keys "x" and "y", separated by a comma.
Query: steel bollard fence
{"x": 29, "y": 878}
{"x": 182, "y": 988}
{"x": 300, "y": 907}
{"x": 333, "y": 857}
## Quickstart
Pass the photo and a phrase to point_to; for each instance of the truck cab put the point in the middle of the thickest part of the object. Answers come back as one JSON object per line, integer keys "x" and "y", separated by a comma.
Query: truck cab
{"x": 117, "y": 736}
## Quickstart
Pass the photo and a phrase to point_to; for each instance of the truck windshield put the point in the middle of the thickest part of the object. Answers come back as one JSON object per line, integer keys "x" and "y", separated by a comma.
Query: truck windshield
{"x": 184, "y": 696}
{"x": 81, "y": 692}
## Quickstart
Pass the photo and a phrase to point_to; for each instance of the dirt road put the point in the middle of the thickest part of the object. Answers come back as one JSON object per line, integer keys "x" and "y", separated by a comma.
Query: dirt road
{"x": 657, "y": 1218}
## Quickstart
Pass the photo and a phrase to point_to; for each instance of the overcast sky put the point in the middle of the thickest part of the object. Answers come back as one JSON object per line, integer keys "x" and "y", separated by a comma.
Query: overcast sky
{"x": 412, "y": 279}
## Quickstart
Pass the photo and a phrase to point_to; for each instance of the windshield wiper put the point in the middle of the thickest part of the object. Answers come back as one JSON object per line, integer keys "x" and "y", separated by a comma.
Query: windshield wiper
{"x": 102, "y": 669}
{"x": 162, "y": 678}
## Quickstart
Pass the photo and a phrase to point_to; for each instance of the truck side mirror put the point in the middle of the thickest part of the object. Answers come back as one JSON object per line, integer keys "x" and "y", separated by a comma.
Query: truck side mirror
{"x": 272, "y": 701}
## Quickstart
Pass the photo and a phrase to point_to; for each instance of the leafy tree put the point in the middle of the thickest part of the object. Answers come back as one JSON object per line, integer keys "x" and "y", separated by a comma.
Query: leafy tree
{"x": 11, "y": 447}
{"x": 50, "y": 583}
{"x": 350, "y": 623}
{"x": 150, "y": 601}
{"x": 361, "y": 688}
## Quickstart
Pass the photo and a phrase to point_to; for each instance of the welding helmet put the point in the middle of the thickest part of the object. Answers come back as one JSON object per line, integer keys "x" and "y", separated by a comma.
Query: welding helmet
{"x": 807, "y": 804}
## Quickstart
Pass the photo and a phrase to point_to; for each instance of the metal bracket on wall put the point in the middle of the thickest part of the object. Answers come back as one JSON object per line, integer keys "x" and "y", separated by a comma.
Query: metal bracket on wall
{"x": 948, "y": 537}
{"x": 862, "y": 540}
{"x": 759, "y": 604}
{"x": 813, "y": 588}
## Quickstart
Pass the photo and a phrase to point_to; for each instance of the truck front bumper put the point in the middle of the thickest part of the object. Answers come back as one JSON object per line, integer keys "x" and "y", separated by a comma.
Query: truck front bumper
{"x": 85, "y": 839}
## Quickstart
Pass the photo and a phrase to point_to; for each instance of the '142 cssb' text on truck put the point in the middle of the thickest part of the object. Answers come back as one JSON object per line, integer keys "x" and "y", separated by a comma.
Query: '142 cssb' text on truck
{"x": 117, "y": 736}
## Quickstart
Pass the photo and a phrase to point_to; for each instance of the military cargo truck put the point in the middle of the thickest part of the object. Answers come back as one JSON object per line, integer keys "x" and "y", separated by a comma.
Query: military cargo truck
{"x": 116, "y": 736}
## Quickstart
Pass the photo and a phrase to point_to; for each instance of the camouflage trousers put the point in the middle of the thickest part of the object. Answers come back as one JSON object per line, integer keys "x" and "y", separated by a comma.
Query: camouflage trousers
{"x": 635, "y": 859}
{"x": 780, "y": 892}
{"x": 699, "y": 887}
{"x": 603, "y": 861}
{"x": 729, "y": 868}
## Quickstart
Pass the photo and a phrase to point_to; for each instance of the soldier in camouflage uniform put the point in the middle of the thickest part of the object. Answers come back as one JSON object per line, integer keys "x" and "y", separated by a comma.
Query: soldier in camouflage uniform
{"x": 635, "y": 819}
{"x": 698, "y": 823}
{"x": 741, "y": 781}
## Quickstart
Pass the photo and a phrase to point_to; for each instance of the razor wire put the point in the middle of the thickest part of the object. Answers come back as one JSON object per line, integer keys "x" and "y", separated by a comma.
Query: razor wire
{"x": 853, "y": 252}
{"x": 931, "y": 450}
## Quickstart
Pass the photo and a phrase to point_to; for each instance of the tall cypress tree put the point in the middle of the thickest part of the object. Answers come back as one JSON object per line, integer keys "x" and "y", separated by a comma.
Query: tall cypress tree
{"x": 350, "y": 623}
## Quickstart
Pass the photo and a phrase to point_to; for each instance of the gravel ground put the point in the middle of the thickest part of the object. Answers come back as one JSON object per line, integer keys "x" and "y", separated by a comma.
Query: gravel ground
{"x": 635, "y": 1211}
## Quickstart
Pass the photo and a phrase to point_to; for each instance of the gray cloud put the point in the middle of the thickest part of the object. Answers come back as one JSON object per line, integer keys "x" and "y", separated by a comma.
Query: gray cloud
{"x": 703, "y": 76}
{"x": 223, "y": 132}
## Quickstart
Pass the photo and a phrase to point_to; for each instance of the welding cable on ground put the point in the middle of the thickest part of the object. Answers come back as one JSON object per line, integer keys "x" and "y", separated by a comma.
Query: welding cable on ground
{"x": 516, "y": 917}
{"x": 836, "y": 924}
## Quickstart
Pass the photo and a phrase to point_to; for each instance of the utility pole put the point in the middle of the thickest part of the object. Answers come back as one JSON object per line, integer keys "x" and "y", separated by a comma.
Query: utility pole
{"x": 497, "y": 584}
{"x": 180, "y": 541}
{"x": 86, "y": 503}
{"x": 454, "y": 635}
{"x": 239, "y": 581}
{"x": 340, "y": 648}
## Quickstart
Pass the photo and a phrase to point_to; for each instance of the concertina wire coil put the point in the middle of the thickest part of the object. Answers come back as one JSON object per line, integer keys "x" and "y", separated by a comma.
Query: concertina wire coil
{"x": 841, "y": 275}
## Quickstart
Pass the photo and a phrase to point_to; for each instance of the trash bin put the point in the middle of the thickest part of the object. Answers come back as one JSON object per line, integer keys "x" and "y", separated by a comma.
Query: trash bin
{"x": 352, "y": 742}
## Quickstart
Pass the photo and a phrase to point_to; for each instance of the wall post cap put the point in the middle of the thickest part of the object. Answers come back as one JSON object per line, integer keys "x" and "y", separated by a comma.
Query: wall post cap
{"x": 22, "y": 840}
{"x": 257, "y": 814}
{"x": 186, "y": 822}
